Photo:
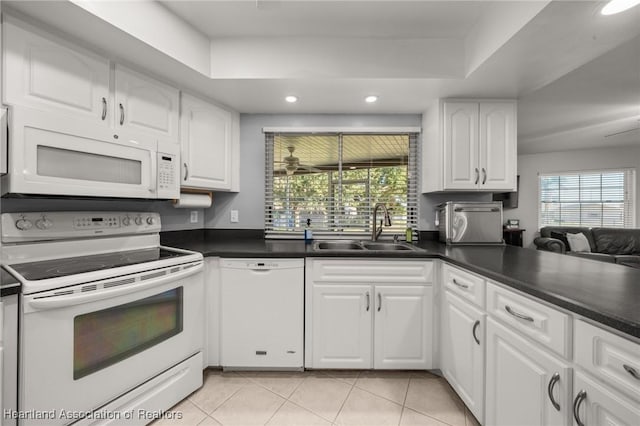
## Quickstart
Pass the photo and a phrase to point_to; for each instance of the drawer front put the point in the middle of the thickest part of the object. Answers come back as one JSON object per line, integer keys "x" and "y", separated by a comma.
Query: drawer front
{"x": 541, "y": 323}
{"x": 612, "y": 358}
{"x": 464, "y": 284}
{"x": 370, "y": 271}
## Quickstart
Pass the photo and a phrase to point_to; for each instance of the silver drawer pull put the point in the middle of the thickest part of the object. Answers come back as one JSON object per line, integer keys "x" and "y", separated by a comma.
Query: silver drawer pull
{"x": 576, "y": 406}
{"x": 368, "y": 302}
{"x": 460, "y": 285}
{"x": 554, "y": 379}
{"x": 517, "y": 315}
{"x": 379, "y": 301}
{"x": 104, "y": 108}
{"x": 473, "y": 331}
{"x": 629, "y": 369}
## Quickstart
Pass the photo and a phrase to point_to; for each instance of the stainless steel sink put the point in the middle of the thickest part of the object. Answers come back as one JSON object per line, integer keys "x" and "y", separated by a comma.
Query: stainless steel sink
{"x": 350, "y": 245}
{"x": 338, "y": 245}
{"x": 387, "y": 246}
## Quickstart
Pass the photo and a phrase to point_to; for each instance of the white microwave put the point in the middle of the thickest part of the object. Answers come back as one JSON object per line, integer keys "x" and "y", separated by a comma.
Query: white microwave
{"x": 49, "y": 154}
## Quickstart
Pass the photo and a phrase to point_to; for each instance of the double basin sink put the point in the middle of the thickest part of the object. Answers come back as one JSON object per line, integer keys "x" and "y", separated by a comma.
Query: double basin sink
{"x": 350, "y": 245}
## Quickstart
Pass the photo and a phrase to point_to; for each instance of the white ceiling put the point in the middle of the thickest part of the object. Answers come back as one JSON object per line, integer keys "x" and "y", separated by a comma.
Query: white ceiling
{"x": 575, "y": 72}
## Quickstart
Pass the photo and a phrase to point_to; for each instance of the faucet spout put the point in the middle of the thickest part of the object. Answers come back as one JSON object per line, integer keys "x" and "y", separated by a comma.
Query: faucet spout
{"x": 375, "y": 232}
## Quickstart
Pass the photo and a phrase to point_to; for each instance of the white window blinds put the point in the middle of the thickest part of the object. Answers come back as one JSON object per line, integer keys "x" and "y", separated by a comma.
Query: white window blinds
{"x": 335, "y": 180}
{"x": 591, "y": 199}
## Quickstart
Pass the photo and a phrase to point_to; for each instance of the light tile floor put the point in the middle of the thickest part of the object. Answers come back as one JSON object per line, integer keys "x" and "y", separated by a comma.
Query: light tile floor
{"x": 323, "y": 398}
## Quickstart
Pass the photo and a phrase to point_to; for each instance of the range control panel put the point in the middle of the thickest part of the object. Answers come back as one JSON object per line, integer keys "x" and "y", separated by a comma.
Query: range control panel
{"x": 41, "y": 226}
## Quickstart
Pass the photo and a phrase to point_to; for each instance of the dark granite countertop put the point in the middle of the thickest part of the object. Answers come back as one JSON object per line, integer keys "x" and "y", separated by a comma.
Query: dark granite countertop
{"x": 604, "y": 292}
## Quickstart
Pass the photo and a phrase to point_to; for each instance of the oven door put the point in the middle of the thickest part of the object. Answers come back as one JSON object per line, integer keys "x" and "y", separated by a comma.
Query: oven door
{"x": 86, "y": 345}
{"x": 51, "y": 154}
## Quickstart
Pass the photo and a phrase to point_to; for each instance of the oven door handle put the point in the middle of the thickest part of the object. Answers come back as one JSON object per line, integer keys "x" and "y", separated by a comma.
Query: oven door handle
{"x": 54, "y": 302}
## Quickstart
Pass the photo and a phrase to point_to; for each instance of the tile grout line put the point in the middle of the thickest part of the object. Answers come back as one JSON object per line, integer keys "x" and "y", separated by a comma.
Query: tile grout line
{"x": 404, "y": 401}
{"x": 345, "y": 401}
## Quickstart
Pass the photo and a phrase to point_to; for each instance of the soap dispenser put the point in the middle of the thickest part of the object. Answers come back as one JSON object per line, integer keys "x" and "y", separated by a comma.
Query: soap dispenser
{"x": 308, "y": 233}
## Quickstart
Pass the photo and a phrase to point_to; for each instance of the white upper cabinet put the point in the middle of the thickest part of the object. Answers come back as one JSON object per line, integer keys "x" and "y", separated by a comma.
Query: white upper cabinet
{"x": 469, "y": 146}
{"x": 461, "y": 145}
{"x": 54, "y": 76}
{"x": 497, "y": 145}
{"x": 145, "y": 105}
{"x": 208, "y": 138}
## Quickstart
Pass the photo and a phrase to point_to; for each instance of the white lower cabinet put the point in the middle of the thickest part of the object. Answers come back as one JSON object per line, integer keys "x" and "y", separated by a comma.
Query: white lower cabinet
{"x": 402, "y": 328}
{"x": 526, "y": 385}
{"x": 341, "y": 326}
{"x": 463, "y": 350}
{"x": 595, "y": 404}
{"x": 352, "y": 324}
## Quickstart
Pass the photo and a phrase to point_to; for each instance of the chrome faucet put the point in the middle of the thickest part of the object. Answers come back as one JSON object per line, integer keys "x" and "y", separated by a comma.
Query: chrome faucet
{"x": 375, "y": 233}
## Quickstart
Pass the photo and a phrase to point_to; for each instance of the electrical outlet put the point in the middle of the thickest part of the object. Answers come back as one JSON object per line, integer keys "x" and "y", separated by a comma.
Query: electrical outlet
{"x": 234, "y": 216}
{"x": 194, "y": 216}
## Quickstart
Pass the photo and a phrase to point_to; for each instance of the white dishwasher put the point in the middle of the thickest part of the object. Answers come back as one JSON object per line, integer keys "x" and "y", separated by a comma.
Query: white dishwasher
{"x": 262, "y": 313}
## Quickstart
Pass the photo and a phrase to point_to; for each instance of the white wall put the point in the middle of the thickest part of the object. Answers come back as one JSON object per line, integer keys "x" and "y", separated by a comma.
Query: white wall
{"x": 529, "y": 166}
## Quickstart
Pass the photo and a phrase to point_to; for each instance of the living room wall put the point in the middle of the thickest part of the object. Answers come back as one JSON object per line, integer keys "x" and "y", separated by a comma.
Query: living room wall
{"x": 530, "y": 165}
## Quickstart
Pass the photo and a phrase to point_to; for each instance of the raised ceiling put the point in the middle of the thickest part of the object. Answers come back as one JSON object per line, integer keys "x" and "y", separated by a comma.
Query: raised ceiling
{"x": 572, "y": 69}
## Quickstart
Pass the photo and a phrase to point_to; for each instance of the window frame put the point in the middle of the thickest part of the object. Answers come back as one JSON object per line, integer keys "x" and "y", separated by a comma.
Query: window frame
{"x": 631, "y": 189}
{"x": 413, "y": 178}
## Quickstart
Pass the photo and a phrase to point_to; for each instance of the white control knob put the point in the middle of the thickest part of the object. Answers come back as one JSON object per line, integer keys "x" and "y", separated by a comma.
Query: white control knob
{"x": 126, "y": 221}
{"x": 23, "y": 224}
{"x": 138, "y": 221}
{"x": 43, "y": 223}
{"x": 150, "y": 221}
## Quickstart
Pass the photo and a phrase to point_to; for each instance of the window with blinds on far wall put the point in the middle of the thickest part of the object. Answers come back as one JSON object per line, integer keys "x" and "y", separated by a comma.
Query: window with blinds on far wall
{"x": 589, "y": 199}
{"x": 335, "y": 180}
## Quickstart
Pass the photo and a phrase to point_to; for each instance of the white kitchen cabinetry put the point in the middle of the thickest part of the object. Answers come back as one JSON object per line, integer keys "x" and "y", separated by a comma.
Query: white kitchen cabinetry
{"x": 45, "y": 73}
{"x": 145, "y": 105}
{"x": 341, "y": 328}
{"x": 209, "y": 139}
{"x": 402, "y": 326}
{"x": 368, "y": 314}
{"x": 463, "y": 350}
{"x": 595, "y": 404}
{"x": 470, "y": 146}
{"x": 51, "y": 75}
{"x": 526, "y": 385}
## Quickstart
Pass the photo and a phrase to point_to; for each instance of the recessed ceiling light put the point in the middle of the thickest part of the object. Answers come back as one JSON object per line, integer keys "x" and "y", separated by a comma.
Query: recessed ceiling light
{"x": 371, "y": 99}
{"x": 291, "y": 99}
{"x": 617, "y": 6}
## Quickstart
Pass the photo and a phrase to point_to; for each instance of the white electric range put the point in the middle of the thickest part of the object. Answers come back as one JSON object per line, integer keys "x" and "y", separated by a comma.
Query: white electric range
{"x": 111, "y": 323}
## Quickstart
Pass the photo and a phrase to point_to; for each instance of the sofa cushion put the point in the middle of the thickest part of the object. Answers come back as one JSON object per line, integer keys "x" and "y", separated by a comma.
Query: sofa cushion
{"x": 562, "y": 236}
{"x": 578, "y": 242}
{"x": 546, "y": 232}
{"x": 617, "y": 240}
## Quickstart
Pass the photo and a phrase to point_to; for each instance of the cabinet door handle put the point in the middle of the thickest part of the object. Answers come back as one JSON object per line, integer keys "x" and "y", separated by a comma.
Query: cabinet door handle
{"x": 475, "y": 327}
{"x": 517, "y": 315}
{"x": 368, "y": 302}
{"x": 477, "y": 176}
{"x": 484, "y": 175}
{"x": 629, "y": 369}
{"x": 104, "y": 109}
{"x": 186, "y": 171}
{"x": 465, "y": 286}
{"x": 552, "y": 383}
{"x": 379, "y": 301}
{"x": 576, "y": 406}
{"x": 121, "y": 114}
